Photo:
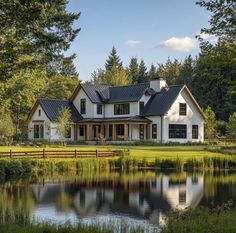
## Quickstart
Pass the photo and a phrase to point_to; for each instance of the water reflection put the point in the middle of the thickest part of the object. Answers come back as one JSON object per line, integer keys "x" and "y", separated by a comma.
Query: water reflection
{"x": 139, "y": 197}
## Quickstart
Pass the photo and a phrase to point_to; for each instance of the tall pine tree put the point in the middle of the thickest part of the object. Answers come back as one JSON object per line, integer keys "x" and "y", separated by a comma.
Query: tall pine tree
{"x": 142, "y": 77}
{"x": 113, "y": 60}
{"x": 152, "y": 74}
{"x": 133, "y": 69}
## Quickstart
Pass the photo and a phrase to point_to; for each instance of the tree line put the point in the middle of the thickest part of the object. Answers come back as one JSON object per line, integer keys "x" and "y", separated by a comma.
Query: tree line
{"x": 33, "y": 63}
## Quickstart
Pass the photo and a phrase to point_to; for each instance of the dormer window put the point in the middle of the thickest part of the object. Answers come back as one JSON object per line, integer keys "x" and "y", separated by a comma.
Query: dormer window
{"x": 182, "y": 109}
{"x": 39, "y": 112}
{"x": 83, "y": 106}
{"x": 99, "y": 109}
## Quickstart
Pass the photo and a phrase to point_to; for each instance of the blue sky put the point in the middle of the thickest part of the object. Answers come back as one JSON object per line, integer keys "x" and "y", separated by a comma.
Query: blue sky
{"x": 153, "y": 30}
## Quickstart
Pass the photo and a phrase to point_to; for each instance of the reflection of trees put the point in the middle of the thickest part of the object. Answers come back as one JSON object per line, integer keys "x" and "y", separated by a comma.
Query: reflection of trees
{"x": 64, "y": 202}
{"x": 16, "y": 198}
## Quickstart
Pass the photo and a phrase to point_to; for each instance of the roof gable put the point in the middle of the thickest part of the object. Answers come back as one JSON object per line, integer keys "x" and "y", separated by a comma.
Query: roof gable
{"x": 160, "y": 103}
{"x": 52, "y": 108}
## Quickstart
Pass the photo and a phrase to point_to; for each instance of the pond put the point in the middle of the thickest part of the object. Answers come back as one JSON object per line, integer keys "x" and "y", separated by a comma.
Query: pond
{"x": 142, "y": 198}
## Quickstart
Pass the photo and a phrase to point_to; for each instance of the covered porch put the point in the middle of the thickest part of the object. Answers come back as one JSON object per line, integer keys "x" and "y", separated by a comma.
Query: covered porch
{"x": 115, "y": 129}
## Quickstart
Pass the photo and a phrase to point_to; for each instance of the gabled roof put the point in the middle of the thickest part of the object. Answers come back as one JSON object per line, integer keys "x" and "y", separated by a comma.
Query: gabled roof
{"x": 110, "y": 94}
{"x": 52, "y": 108}
{"x": 160, "y": 103}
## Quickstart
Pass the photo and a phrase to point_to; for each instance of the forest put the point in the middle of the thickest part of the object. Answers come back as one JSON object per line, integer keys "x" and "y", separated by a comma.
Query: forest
{"x": 33, "y": 64}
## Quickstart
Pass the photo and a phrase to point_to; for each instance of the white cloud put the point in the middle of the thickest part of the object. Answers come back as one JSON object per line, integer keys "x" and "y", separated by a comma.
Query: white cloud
{"x": 184, "y": 44}
{"x": 208, "y": 37}
{"x": 133, "y": 42}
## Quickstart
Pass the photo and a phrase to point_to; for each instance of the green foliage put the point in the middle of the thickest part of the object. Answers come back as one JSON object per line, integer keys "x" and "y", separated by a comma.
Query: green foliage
{"x": 231, "y": 126}
{"x": 221, "y": 128}
{"x": 133, "y": 69}
{"x": 64, "y": 123}
{"x": 210, "y": 123}
{"x": 26, "y": 165}
{"x": 113, "y": 60}
{"x": 222, "y": 21}
{"x": 14, "y": 167}
{"x": 142, "y": 74}
{"x": 6, "y": 127}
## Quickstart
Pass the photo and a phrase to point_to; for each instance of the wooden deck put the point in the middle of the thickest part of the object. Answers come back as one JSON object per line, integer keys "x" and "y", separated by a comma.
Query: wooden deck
{"x": 56, "y": 154}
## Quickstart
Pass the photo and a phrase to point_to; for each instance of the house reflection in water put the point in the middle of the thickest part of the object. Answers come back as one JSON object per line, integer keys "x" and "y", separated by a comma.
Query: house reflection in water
{"x": 141, "y": 200}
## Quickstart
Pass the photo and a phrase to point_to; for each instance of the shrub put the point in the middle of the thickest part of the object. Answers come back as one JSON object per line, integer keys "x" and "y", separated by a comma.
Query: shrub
{"x": 26, "y": 165}
{"x": 3, "y": 164}
{"x": 14, "y": 167}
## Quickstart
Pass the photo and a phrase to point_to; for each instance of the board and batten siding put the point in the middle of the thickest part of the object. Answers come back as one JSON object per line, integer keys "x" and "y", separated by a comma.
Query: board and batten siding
{"x": 33, "y": 121}
{"x": 193, "y": 117}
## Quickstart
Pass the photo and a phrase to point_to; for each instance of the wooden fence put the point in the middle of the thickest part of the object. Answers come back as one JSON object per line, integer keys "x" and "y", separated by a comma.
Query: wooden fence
{"x": 50, "y": 154}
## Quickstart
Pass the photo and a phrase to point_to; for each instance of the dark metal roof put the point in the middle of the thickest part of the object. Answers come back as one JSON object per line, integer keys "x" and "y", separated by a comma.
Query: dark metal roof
{"x": 92, "y": 91}
{"x": 52, "y": 107}
{"x": 129, "y": 119}
{"x": 117, "y": 94}
{"x": 160, "y": 103}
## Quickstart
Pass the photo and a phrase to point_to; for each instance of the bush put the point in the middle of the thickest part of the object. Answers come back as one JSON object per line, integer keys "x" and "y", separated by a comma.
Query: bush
{"x": 26, "y": 165}
{"x": 3, "y": 164}
{"x": 14, "y": 167}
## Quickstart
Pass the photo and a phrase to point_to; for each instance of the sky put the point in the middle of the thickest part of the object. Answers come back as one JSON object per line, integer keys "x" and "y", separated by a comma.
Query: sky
{"x": 150, "y": 29}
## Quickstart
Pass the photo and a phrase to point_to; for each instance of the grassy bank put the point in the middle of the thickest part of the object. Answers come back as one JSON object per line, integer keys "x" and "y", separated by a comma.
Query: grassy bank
{"x": 200, "y": 220}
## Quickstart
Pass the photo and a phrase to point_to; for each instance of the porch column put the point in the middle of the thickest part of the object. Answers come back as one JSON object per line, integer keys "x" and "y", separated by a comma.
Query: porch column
{"x": 126, "y": 132}
{"x": 75, "y": 132}
{"x": 147, "y": 131}
{"x": 113, "y": 132}
{"x": 88, "y": 132}
{"x": 102, "y": 130}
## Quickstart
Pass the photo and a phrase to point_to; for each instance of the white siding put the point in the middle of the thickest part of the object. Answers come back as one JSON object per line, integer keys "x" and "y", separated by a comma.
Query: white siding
{"x": 90, "y": 107}
{"x": 45, "y": 121}
{"x": 193, "y": 117}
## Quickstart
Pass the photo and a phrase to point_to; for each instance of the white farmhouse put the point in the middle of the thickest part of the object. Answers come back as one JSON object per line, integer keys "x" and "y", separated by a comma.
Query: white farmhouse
{"x": 143, "y": 111}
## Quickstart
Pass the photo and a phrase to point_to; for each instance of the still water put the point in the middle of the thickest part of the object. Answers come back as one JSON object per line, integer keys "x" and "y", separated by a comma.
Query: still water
{"x": 142, "y": 198}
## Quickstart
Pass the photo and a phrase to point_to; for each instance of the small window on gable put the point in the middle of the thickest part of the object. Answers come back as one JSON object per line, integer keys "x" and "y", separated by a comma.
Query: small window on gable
{"x": 83, "y": 106}
{"x": 182, "y": 109}
{"x": 141, "y": 107}
{"x": 99, "y": 109}
{"x": 39, "y": 112}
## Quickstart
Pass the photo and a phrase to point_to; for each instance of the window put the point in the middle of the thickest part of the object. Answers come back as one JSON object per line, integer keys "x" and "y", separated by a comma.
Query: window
{"x": 121, "y": 109}
{"x": 83, "y": 106}
{"x": 154, "y": 131}
{"x": 141, "y": 131}
{"x": 177, "y": 131}
{"x": 38, "y": 131}
{"x": 68, "y": 133}
{"x": 99, "y": 109}
{"x": 81, "y": 131}
{"x": 120, "y": 130}
{"x": 39, "y": 112}
{"x": 194, "y": 131}
{"x": 110, "y": 131}
{"x": 182, "y": 109}
{"x": 182, "y": 197}
{"x": 141, "y": 107}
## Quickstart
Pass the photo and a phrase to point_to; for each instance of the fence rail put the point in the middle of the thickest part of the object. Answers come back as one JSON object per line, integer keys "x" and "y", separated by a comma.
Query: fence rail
{"x": 50, "y": 154}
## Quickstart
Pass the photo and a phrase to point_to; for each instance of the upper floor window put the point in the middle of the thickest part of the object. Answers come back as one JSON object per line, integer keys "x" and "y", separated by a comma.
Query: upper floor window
{"x": 83, "y": 106}
{"x": 177, "y": 131}
{"x": 194, "y": 131}
{"x": 182, "y": 109}
{"x": 121, "y": 109}
{"x": 39, "y": 112}
{"x": 141, "y": 107}
{"x": 99, "y": 109}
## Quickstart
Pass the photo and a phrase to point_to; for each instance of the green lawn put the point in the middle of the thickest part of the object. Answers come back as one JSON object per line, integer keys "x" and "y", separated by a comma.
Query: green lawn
{"x": 139, "y": 152}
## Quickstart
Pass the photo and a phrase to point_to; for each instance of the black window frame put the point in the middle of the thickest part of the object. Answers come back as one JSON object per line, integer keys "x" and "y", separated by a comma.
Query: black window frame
{"x": 99, "y": 109}
{"x": 141, "y": 107}
{"x": 122, "y": 109}
{"x": 195, "y": 132}
{"x": 154, "y": 131}
{"x": 120, "y": 130}
{"x": 81, "y": 131}
{"x": 83, "y": 106}
{"x": 39, "y": 112}
{"x": 141, "y": 131}
{"x": 182, "y": 109}
{"x": 178, "y": 131}
{"x": 39, "y": 134}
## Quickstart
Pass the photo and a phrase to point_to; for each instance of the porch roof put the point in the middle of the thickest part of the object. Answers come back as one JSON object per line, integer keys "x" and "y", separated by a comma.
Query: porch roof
{"x": 137, "y": 119}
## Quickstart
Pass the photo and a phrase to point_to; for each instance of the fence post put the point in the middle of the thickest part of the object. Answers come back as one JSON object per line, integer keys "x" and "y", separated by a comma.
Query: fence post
{"x": 75, "y": 153}
{"x": 10, "y": 154}
{"x": 96, "y": 153}
{"x": 43, "y": 153}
